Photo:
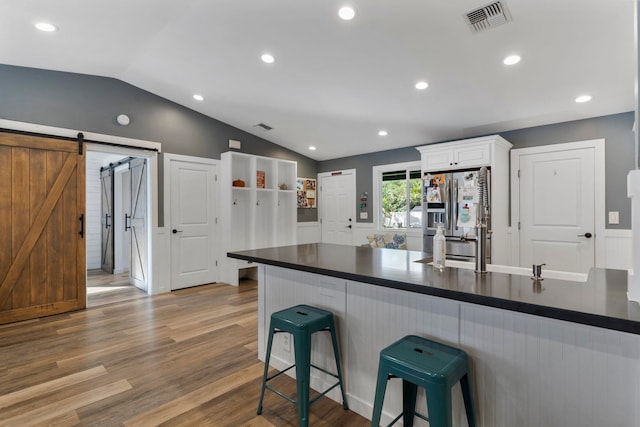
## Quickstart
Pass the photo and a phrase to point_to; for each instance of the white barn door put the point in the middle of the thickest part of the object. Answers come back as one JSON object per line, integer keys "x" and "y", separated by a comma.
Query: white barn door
{"x": 138, "y": 273}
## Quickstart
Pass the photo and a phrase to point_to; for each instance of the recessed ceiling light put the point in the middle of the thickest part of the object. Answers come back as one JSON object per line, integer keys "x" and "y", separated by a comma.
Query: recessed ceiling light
{"x": 267, "y": 58}
{"x": 422, "y": 85}
{"x": 45, "y": 26}
{"x": 583, "y": 98}
{"x": 511, "y": 60}
{"x": 383, "y": 133}
{"x": 347, "y": 13}
{"x": 198, "y": 97}
{"x": 312, "y": 148}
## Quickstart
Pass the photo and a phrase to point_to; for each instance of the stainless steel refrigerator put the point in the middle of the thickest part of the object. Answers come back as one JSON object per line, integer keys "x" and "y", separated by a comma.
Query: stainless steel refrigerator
{"x": 451, "y": 198}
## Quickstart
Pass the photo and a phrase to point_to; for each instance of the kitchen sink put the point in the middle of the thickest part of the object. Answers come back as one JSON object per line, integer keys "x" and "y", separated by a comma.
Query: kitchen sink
{"x": 519, "y": 271}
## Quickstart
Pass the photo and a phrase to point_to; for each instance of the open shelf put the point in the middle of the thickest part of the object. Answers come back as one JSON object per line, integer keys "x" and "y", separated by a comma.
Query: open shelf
{"x": 254, "y": 217}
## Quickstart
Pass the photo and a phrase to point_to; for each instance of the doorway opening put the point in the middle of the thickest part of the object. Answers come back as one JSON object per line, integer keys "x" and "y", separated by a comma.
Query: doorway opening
{"x": 117, "y": 209}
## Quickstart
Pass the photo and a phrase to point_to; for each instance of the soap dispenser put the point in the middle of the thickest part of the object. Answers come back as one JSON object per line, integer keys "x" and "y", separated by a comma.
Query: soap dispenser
{"x": 439, "y": 248}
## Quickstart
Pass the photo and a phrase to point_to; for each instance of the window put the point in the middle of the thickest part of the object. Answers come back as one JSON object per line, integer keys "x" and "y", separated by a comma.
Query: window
{"x": 399, "y": 195}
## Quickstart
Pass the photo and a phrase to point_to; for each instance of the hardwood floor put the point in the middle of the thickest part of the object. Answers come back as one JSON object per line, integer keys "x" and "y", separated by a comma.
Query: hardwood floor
{"x": 104, "y": 288}
{"x": 188, "y": 358}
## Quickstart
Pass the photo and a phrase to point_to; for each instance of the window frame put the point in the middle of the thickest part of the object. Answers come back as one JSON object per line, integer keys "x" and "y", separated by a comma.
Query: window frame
{"x": 378, "y": 171}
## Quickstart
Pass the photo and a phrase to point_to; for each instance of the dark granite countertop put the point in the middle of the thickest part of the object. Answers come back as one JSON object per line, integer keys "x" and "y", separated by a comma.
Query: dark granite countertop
{"x": 600, "y": 301}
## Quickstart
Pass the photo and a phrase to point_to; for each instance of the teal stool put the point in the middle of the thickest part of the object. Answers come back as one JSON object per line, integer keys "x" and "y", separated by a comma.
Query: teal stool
{"x": 302, "y": 321}
{"x": 435, "y": 367}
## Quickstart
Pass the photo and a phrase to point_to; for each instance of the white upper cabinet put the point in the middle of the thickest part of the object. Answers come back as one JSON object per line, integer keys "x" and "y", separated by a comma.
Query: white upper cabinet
{"x": 456, "y": 155}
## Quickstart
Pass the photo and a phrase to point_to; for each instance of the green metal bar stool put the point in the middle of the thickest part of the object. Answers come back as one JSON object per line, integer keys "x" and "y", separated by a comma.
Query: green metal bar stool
{"x": 424, "y": 363}
{"x": 302, "y": 321}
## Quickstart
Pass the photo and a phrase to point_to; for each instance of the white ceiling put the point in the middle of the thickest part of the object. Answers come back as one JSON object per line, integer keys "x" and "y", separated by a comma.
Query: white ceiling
{"x": 336, "y": 83}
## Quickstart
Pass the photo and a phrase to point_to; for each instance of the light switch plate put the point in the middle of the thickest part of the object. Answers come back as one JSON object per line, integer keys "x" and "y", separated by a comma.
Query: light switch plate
{"x": 614, "y": 217}
{"x": 364, "y": 215}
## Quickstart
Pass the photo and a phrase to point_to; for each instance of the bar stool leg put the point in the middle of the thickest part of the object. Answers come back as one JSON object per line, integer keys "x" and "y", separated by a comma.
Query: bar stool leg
{"x": 381, "y": 388}
{"x": 336, "y": 355}
{"x": 302, "y": 348}
{"x": 468, "y": 400}
{"x": 439, "y": 406}
{"x": 266, "y": 369}
{"x": 409, "y": 393}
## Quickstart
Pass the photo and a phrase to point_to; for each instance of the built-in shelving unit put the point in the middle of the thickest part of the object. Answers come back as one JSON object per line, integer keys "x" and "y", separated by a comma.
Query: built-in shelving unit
{"x": 254, "y": 217}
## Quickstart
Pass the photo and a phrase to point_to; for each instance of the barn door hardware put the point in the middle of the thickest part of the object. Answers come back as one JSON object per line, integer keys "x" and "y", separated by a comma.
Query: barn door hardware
{"x": 80, "y": 142}
{"x": 81, "y": 225}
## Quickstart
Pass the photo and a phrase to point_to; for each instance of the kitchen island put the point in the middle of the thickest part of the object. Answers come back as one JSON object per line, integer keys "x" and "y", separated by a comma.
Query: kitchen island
{"x": 543, "y": 353}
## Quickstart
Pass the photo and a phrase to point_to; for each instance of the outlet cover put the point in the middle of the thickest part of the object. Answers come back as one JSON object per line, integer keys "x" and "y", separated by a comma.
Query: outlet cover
{"x": 614, "y": 217}
{"x": 364, "y": 215}
{"x": 235, "y": 144}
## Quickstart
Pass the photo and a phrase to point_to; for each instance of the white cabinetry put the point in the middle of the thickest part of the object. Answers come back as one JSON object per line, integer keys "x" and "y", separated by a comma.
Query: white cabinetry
{"x": 456, "y": 157}
{"x": 254, "y": 217}
{"x": 493, "y": 152}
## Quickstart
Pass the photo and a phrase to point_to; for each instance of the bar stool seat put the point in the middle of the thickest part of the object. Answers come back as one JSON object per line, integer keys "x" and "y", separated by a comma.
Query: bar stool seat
{"x": 302, "y": 321}
{"x": 436, "y": 367}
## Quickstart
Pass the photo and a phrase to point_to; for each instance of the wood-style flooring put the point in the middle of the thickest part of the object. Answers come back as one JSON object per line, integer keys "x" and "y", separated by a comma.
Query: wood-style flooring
{"x": 188, "y": 358}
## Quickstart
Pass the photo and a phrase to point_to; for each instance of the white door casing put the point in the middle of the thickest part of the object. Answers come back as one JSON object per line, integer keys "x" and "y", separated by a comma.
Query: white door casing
{"x": 193, "y": 215}
{"x": 337, "y": 206}
{"x": 557, "y": 201}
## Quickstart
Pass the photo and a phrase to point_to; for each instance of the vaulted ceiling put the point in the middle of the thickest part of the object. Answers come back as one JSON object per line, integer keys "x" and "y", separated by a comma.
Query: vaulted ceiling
{"x": 335, "y": 83}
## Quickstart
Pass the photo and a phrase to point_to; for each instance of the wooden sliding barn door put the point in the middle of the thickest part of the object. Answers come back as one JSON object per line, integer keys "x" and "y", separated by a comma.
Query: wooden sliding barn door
{"x": 42, "y": 246}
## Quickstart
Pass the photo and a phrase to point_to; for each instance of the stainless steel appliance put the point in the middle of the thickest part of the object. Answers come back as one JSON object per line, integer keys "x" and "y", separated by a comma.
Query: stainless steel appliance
{"x": 451, "y": 198}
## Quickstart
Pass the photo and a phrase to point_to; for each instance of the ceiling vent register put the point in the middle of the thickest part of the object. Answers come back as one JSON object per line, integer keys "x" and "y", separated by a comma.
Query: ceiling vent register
{"x": 263, "y": 126}
{"x": 489, "y": 16}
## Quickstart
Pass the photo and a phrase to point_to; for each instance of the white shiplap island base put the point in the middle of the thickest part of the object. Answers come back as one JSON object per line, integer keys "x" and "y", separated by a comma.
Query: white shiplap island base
{"x": 528, "y": 370}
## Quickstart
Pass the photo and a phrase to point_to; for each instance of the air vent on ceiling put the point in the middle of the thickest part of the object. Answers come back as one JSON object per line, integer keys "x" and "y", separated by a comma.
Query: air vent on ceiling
{"x": 489, "y": 16}
{"x": 263, "y": 126}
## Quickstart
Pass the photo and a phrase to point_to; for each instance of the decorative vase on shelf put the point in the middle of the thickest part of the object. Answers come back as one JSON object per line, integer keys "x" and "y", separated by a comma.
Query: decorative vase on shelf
{"x": 283, "y": 186}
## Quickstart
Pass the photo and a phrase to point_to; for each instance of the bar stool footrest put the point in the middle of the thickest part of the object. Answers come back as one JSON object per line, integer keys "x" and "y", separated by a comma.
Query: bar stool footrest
{"x": 290, "y": 399}
{"x": 395, "y": 420}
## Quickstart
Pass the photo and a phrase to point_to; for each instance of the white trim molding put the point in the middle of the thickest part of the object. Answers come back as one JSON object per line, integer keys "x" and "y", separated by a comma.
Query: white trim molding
{"x": 73, "y": 133}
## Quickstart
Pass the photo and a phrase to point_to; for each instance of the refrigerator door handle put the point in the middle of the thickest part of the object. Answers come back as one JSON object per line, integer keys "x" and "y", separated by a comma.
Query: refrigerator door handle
{"x": 447, "y": 213}
{"x": 454, "y": 205}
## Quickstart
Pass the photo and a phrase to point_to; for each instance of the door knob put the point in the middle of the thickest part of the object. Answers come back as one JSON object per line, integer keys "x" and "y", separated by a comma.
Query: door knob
{"x": 587, "y": 235}
{"x": 176, "y": 231}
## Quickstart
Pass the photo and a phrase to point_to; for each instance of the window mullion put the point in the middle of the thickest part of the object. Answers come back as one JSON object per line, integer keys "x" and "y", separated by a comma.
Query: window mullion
{"x": 407, "y": 184}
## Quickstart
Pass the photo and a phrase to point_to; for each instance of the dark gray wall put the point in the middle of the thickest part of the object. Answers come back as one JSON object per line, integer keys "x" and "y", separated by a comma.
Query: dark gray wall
{"x": 619, "y": 157}
{"x": 92, "y": 103}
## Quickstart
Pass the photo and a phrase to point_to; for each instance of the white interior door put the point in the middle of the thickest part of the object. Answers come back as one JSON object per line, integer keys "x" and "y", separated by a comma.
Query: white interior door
{"x": 557, "y": 208}
{"x": 337, "y": 205}
{"x": 138, "y": 274}
{"x": 193, "y": 223}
